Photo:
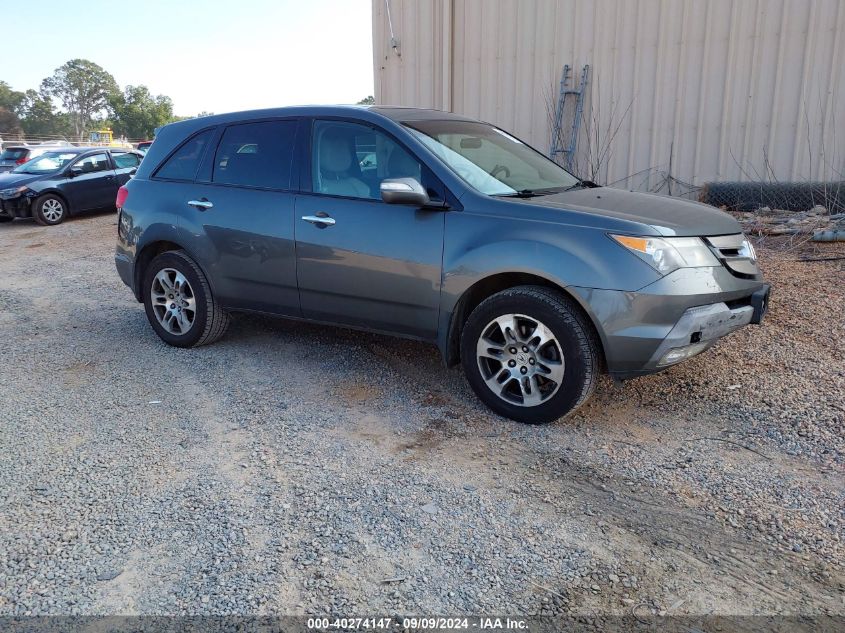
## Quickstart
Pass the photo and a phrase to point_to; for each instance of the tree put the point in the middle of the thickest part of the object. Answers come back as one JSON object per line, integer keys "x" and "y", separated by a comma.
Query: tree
{"x": 136, "y": 113}
{"x": 39, "y": 116}
{"x": 83, "y": 88}
{"x": 371, "y": 100}
{"x": 10, "y": 100}
{"x": 9, "y": 123}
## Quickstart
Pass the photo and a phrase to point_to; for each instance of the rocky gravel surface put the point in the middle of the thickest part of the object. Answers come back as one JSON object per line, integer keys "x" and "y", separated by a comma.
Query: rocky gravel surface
{"x": 294, "y": 469}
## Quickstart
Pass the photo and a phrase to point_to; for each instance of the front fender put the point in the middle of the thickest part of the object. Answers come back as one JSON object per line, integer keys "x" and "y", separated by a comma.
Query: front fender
{"x": 479, "y": 246}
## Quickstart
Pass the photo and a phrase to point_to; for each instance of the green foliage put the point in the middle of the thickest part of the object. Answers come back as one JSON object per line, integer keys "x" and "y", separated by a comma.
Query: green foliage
{"x": 9, "y": 122}
{"x": 136, "y": 113}
{"x": 10, "y": 100}
{"x": 39, "y": 116}
{"x": 83, "y": 88}
{"x": 371, "y": 100}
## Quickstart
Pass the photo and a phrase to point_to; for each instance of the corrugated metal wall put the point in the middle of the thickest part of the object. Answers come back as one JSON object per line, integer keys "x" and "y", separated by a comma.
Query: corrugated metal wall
{"x": 699, "y": 90}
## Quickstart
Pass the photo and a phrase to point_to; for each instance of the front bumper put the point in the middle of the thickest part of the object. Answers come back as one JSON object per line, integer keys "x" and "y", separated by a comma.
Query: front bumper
{"x": 672, "y": 319}
{"x": 19, "y": 207}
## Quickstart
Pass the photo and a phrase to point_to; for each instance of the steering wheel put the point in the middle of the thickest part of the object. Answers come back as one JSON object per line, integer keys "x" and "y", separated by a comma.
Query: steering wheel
{"x": 499, "y": 168}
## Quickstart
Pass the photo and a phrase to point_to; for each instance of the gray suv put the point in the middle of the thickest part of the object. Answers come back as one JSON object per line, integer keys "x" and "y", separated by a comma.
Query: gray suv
{"x": 431, "y": 226}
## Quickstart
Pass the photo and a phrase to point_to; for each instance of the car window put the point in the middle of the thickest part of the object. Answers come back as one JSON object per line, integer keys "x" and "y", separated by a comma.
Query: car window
{"x": 14, "y": 153}
{"x": 124, "y": 160}
{"x": 349, "y": 159}
{"x": 255, "y": 155}
{"x": 489, "y": 159}
{"x": 94, "y": 163}
{"x": 183, "y": 164}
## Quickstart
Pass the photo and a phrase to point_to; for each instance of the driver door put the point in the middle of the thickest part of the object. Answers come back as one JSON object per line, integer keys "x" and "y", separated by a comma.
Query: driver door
{"x": 95, "y": 186}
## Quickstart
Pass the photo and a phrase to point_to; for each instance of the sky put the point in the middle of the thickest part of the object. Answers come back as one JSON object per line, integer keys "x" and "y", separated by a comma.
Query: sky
{"x": 207, "y": 55}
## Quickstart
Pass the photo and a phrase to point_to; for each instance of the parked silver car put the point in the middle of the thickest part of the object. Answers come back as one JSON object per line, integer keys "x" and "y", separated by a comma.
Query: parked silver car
{"x": 16, "y": 155}
{"x": 432, "y": 226}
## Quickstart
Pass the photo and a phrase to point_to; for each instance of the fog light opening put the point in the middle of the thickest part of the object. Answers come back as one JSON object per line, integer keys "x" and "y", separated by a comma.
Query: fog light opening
{"x": 677, "y": 354}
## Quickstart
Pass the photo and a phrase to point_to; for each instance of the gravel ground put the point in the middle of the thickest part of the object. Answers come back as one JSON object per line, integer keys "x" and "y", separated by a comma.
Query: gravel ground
{"x": 295, "y": 469}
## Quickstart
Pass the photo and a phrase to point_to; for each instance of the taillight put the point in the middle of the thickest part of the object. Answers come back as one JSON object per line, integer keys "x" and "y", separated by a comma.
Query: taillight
{"x": 20, "y": 161}
{"x": 122, "y": 194}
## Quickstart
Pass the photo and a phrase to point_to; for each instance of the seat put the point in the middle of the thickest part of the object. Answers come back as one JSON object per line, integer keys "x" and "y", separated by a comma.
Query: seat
{"x": 336, "y": 160}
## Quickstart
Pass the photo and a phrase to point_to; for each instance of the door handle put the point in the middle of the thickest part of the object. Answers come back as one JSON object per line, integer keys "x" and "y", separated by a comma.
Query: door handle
{"x": 201, "y": 205}
{"x": 318, "y": 219}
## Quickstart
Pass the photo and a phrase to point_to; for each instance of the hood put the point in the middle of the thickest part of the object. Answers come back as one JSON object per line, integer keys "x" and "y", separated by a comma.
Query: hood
{"x": 9, "y": 180}
{"x": 668, "y": 216}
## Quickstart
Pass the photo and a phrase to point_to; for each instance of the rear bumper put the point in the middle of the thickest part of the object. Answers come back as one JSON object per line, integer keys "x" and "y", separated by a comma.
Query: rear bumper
{"x": 672, "y": 319}
{"x": 125, "y": 269}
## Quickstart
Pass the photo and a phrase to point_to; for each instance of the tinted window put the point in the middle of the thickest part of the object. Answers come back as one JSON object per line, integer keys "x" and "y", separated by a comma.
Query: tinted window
{"x": 255, "y": 155}
{"x": 14, "y": 154}
{"x": 91, "y": 164}
{"x": 122, "y": 161}
{"x": 184, "y": 163}
{"x": 349, "y": 159}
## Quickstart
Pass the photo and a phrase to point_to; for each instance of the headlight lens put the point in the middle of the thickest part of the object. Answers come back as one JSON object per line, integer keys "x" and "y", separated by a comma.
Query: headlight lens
{"x": 747, "y": 250}
{"x": 666, "y": 254}
{"x": 13, "y": 192}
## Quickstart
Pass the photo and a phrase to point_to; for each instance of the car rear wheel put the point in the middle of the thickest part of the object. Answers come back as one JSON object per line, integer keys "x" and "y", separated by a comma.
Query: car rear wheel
{"x": 5, "y": 218}
{"x": 530, "y": 354}
{"x": 49, "y": 210}
{"x": 179, "y": 303}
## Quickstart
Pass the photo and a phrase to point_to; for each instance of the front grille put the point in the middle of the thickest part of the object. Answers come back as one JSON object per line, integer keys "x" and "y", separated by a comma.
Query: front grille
{"x": 731, "y": 252}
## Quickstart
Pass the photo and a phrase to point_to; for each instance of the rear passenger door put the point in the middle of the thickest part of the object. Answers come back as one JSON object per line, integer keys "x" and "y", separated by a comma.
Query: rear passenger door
{"x": 238, "y": 216}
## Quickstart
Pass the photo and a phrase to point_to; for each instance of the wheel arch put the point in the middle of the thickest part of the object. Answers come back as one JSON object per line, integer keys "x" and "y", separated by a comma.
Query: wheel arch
{"x": 52, "y": 192}
{"x": 488, "y": 286}
{"x": 149, "y": 252}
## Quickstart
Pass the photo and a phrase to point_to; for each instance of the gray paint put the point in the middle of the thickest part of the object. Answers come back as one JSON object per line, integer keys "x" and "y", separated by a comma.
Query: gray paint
{"x": 405, "y": 270}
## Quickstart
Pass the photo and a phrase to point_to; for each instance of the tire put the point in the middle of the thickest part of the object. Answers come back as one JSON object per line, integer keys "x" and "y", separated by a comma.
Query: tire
{"x": 174, "y": 326}
{"x": 49, "y": 210}
{"x": 5, "y": 218}
{"x": 561, "y": 373}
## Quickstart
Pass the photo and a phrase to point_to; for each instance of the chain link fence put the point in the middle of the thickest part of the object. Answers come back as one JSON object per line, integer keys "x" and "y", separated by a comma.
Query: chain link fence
{"x": 786, "y": 196}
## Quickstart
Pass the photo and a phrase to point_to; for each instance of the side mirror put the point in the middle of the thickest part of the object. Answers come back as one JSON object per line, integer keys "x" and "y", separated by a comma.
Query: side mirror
{"x": 403, "y": 191}
{"x": 74, "y": 171}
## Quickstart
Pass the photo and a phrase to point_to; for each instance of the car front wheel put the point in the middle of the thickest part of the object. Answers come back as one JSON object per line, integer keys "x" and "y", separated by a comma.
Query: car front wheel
{"x": 49, "y": 210}
{"x": 530, "y": 354}
{"x": 179, "y": 303}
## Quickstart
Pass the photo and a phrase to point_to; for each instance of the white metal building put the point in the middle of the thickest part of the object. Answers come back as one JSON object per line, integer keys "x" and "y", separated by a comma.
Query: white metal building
{"x": 701, "y": 90}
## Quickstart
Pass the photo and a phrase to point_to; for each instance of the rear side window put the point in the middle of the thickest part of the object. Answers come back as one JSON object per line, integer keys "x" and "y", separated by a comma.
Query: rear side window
{"x": 256, "y": 155}
{"x": 14, "y": 154}
{"x": 122, "y": 161}
{"x": 183, "y": 164}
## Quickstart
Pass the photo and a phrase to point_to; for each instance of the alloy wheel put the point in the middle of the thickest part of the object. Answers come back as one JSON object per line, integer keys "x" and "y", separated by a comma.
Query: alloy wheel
{"x": 173, "y": 301}
{"x": 520, "y": 360}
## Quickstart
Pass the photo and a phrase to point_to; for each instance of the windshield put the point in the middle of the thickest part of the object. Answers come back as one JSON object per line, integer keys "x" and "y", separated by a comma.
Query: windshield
{"x": 490, "y": 160}
{"x": 46, "y": 163}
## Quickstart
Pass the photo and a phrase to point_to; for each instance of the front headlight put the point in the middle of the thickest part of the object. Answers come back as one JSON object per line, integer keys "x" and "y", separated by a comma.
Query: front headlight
{"x": 666, "y": 254}
{"x": 747, "y": 250}
{"x": 13, "y": 192}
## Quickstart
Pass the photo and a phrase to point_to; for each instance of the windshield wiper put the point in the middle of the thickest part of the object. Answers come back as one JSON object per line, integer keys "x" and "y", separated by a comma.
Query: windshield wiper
{"x": 582, "y": 184}
{"x": 528, "y": 193}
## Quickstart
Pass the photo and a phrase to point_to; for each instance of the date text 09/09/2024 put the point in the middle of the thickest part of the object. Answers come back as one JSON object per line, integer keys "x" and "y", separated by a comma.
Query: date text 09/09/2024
{"x": 416, "y": 623}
